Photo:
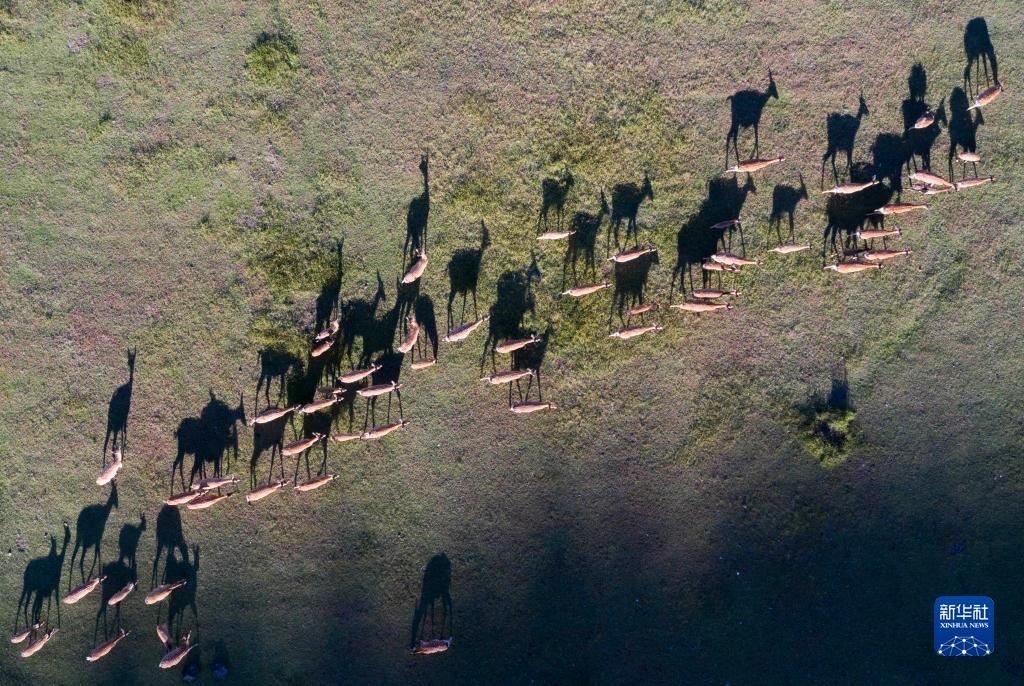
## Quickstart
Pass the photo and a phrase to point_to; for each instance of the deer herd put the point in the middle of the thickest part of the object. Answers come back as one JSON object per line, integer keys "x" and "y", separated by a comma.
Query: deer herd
{"x": 208, "y": 492}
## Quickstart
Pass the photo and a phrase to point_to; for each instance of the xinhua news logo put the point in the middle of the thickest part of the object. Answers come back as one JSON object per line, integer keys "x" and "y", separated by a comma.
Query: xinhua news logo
{"x": 965, "y": 626}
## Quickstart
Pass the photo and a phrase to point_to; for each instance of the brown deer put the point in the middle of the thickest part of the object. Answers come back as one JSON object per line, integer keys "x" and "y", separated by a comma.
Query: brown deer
{"x": 357, "y": 375}
{"x": 853, "y": 267}
{"x": 263, "y": 491}
{"x": 718, "y": 267}
{"x": 208, "y": 500}
{"x": 462, "y": 332}
{"x": 929, "y": 179}
{"x": 343, "y": 438}
{"x": 111, "y": 470}
{"x": 930, "y": 190}
{"x": 880, "y": 255}
{"x": 122, "y": 594}
{"x": 580, "y": 291}
{"x": 379, "y": 389}
{"x": 20, "y": 636}
{"x": 629, "y": 332}
{"x": 383, "y": 430}
{"x": 790, "y": 248}
{"x": 272, "y": 414}
{"x": 162, "y": 591}
{"x": 700, "y": 306}
{"x": 182, "y": 498}
{"x": 417, "y": 269}
{"x": 331, "y": 329}
{"x": 175, "y": 655}
{"x": 322, "y": 348}
{"x": 163, "y": 633}
{"x": 316, "y": 405}
{"x": 531, "y": 407}
{"x": 555, "y": 235}
{"x": 423, "y": 363}
{"x": 730, "y": 260}
{"x": 437, "y": 645}
{"x": 870, "y": 234}
{"x": 301, "y": 445}
{"x": 515, "y": 344}
{"x": 213, "y": 482}
{"x": 104, "y": 648}
{"x": 987, "y": 96}
{"x": 411, "y": 336}
{"x": 924, "y": 121}
{"x": 315, "y": 483}
{"x": 751, "y": 166}
{"x": 509, "y": 377}
{"x": 37, "y": 645}
{"x": 971, "y": 183}
{"x": 85, "y": 589}
{"x": 900, "y": 208}
{"x": 633, "y": 254}
{"x": 641, "y": 309}
{"x": 712, "y": 293}
{"x": 851, "y": 188}
{"x": 969, "y": 157}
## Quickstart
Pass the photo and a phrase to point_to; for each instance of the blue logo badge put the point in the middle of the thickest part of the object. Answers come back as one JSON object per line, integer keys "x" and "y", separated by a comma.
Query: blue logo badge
{"x": 965, "y": 626}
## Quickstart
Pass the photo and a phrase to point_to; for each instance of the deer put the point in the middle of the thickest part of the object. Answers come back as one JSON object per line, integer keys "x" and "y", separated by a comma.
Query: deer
{"x": 718, "y": 267}
{"x": 316, "y": 405}
{"x": 164, "y": 634}
{"x": 111, "y": 470}
{"x": 925, "y": 189}
{"x": 629, "y": 332}
{"x": 161, "y": 592}
{"x": 263, "y": 491}
{"x": 301, "y": 445}
{"x": 971, "y": 183}
{"x": 633, "y": 254}
{"x": 556, "y": 235}
{"x": 417, "y": 269}
{"x": 423, "y": 363}
{"x": 842, "y": 133}
{"x": 315, "y": 483}
{"x": 987, "y": 96}
{"x": 626, "y": 201}
{"x": 383, "y": 430}
{"x": 641, "y": 309}
{"x": 358, "y": 375}
{"x": 879, "y": 255}
{"x": 580, "y": 291}
{"x": 214, "y": 482}
{"x": 926, "y": 119}
{"x": 870, "y": 234}
{"x": 37, "y": 645}
{"x": 379, "y": 389}
{"x": 753, "y": 165}
{"x": 900, "y": 208}
{"x": 182, "y": 498}
{"x": 437, "y": 645}
{"x": 412, "y": 335}
{"x": 712, "y": 293}
{"x": 530, "y": 407}
{"x": 700, "y": 306}
{"x": 853, "y": 267}
{"x": 790, "y": 248}
{"x": 272, "y": 414}
{"x": 331, "y": 329}
{"x": 208, "y": 500}
{"x": 731, "y": 260}
{"x": 510, "y": 376}
{"x": 104, "y": 648}
{"x": 746, "y": 109}
{"x": 343, "y": 438}
{"x": 462, "y": 332}
{"x": 851, "y": 188}
{"x": 76, "y": 594}
{"x": 175, "y": 655}
{"x": 554, "y": 193}
{"x": 322, "y": 348}
{"x": 20, "y": 636}
{"x": 929, "y": 179}
{"x": 122, "y": 594}
{"x": 515, "y": 344}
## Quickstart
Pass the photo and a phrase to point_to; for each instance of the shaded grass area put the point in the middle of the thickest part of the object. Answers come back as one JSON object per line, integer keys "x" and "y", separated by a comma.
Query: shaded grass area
{"x": 183, "y": 188}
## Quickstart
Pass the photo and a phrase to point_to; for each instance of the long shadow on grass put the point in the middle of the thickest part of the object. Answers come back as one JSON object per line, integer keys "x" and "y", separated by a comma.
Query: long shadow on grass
{"x": 437, "y": 581}
{"x": 919, "y": 142}
{"x": 464, "y": 275}
{"x": 89, "y": 529}
{"x": 514, "y": 299}
{"x": 980, "y": 53}
{"x": 41, "y": 584}
{"x": 418, "y": 215}
{"x": 118, "y": 409}
{"x": 963, "y": 130}
{"x": 208, "y": 438}
{"x": 842, "y": 131}
{"x": 631, "y": 285}
{"x": 583, "y": 242}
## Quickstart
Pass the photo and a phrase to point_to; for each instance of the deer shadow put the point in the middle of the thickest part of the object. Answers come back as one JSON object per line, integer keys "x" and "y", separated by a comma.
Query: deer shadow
{"x": 169, "y": 536}
{"x": 427, "y": 319}
{"x": 746, "y": 108}
{"x": 89, "y": 529}
{"x": 183, "y": 598}
{"x": 785, "y": 200}
{"x": 464, "y": 274}
{"x": 41, "y": 582}
{"x": 963, "y": 129}
{"x": 118, "y": 575}
{"x": 208, "y": 438}
{"x": 358, "y": 317}
{"x": 418, "y": 214}
{"x": 117, "y": 411}
{"x": 330, "y": 292}
{"x": 626, "y": 201}
{"x": 437, "y": 581}
{"x": 697, "y": 240}
{"x": 919, "y": 142}
{"x": 128, "y": 541}
{"x": 531, "y": 357}
{"x": 849, "y": 213}
{"x": 390, "y": 371}
{"x": 267, "y": 436}
{"x": 842, "y": 131}
{"x": 583, "y": 242}
{"x": 513, "y": 300}
{"x": 554, "y": 193}
{"x": 274, "y": 368}
{"x": 630, "y": 279}
{"x": 980, "y": 53}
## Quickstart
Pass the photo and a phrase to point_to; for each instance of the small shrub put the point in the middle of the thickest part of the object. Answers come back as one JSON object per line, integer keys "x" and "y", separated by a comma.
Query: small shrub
{"x": 271, "y": 57}
{"x": 829, "y": 432}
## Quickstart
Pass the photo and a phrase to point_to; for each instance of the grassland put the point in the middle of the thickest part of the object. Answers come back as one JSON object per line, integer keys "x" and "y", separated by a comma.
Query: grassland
{"x": 177, "y": 179}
